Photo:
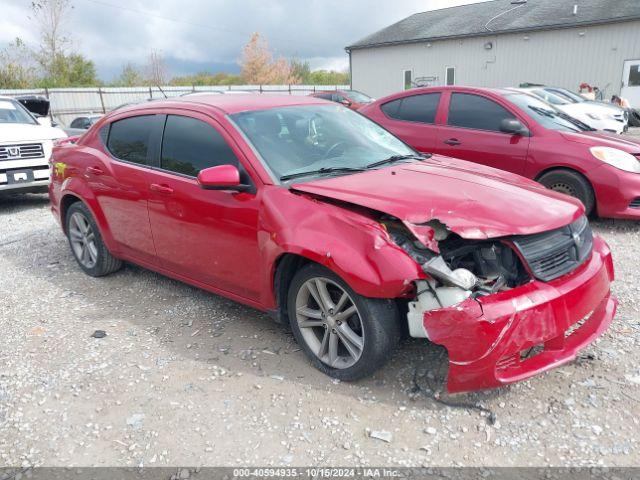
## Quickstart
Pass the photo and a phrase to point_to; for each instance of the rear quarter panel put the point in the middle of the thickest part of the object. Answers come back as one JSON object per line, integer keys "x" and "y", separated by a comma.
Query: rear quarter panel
{"x": 68, "y": 163}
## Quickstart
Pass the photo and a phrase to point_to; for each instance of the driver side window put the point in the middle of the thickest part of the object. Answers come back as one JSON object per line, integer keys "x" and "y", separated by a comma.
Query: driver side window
{"x": 190, "y": 145}
{"x": 467, "y": 110}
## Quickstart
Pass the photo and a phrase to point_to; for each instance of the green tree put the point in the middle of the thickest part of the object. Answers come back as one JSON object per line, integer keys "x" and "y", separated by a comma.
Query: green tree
{"x": 206, "y": 79}
{"x": 73, "y": 70}
{"x": 17, "y": 69}
{"x": 130, "y": 76}
{"x": 328, "y": 77}
{"x": 301, "y": 70}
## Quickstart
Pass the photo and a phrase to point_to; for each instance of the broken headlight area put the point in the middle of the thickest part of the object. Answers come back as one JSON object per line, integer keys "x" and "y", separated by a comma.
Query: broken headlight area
{"x": 481, "y": 267}
{"x": 461, "y": 269}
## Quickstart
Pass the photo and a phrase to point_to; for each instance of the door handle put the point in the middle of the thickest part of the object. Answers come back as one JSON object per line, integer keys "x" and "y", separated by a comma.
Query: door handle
{"x": 453, "y": 141}
{"x": 165, "y": 189}
{"x": 95, "y": 170}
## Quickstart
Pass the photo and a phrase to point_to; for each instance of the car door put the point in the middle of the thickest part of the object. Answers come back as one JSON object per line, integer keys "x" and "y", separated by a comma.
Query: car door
{"x": 118, "y": 179}
{"x": 472, "y": 132}
{"x": 209, "y": 236}
{"x": 412, "y": 118}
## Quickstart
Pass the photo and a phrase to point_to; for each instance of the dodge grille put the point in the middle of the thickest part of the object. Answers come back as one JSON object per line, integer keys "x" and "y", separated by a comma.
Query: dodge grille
{"x": 558, "y": 252}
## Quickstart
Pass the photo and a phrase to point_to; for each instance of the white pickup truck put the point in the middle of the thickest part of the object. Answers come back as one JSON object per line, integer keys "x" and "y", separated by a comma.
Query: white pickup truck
{"x": 25, "y": 149}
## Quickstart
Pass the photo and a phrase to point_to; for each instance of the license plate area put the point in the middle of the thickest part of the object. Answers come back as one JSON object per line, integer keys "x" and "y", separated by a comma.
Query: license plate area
{"x": 19, "y": 176}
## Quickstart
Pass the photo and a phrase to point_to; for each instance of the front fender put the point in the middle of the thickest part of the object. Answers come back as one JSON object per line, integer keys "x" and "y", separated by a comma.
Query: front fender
{"x": 350, "y": 243}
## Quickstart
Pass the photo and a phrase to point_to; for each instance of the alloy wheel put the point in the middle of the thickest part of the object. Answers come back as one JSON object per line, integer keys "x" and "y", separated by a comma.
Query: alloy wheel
{"x": 83, "y": 240}
{"x": 329, "y": 322}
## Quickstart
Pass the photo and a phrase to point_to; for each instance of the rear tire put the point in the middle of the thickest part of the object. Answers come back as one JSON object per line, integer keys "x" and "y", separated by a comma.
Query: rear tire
{"x": 86, "y": 243}
{"x": 345, "y": 335}
{"x": 570, "y": 183}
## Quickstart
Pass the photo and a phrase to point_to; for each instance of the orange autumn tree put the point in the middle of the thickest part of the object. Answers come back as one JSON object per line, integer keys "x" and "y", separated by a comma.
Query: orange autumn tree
{"x": 258, "y": 66}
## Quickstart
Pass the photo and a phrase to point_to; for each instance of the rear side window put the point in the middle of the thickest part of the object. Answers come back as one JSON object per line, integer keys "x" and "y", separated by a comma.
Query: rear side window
{"x": 190, "y": 145}
{"x": 416, "y": 108}
{"x": 129, "y": 138}
{"x": 81, "y": 122}
{"x": 473, "y": 111}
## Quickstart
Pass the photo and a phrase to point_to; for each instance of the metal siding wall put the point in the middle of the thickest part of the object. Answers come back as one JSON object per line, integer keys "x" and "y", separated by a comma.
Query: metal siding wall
{"x": 556, "y": 57}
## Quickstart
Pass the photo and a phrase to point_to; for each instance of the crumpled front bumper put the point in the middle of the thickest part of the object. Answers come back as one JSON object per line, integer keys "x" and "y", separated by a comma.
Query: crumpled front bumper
{"x": 490, "y": 339}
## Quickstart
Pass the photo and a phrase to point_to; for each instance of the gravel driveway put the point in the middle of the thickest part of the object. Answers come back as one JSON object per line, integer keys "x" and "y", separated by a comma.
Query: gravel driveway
{"x": 184, "y": 377}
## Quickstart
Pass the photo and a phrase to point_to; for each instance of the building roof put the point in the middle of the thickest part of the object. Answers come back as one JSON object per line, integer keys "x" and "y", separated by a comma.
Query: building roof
{"x": 500, "y": 16}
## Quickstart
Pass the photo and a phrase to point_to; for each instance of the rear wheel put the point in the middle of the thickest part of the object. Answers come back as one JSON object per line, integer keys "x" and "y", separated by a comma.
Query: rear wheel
{"x": 570, "y": 183}
{"x": 86, "y": 242}
{"x": 346, "y": 335}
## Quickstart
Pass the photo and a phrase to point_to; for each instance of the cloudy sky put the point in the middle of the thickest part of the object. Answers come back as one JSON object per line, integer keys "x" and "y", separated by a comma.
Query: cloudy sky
{"x": 208, "y": 35}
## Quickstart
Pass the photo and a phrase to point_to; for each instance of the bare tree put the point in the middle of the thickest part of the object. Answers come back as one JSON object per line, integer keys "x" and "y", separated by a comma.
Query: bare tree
{"x": 51, "y": 17}
{"x": 156, "y": 69}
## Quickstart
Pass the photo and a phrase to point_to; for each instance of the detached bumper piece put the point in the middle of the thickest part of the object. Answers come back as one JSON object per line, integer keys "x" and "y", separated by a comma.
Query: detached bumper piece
{"x": 516, "y": 334}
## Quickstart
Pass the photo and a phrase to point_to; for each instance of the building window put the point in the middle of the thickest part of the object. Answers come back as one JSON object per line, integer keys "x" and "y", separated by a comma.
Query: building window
{"x": 451, "y": 75}
{"x": 407, "y": 76}
{"x": 634, "y": 76}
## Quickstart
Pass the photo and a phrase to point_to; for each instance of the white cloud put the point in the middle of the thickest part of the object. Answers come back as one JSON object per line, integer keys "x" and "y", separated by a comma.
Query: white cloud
{"x": 213, "y": 32}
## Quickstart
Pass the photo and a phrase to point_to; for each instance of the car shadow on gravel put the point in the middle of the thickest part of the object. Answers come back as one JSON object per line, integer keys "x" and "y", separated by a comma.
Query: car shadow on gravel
{"x": 615, "y": 224}
{"x": 178, "y": 323}
{"x": 16, "y": 203}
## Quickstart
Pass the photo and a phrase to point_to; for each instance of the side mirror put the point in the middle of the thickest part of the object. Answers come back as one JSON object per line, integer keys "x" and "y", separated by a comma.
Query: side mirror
{"x": 221, "y": 177}
{"x": 513, "y": 126}
{"x": 346, "y": 102}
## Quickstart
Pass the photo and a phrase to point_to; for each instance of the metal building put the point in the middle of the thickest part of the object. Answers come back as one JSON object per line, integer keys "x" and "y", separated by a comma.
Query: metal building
{"x": 506, "y": 43}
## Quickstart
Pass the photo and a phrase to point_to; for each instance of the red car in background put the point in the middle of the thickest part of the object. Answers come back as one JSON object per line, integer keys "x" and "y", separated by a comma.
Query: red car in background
{"x": 307, "y": 210}
{"x": 519, "y": 133}
{"x": 349, "y": 98}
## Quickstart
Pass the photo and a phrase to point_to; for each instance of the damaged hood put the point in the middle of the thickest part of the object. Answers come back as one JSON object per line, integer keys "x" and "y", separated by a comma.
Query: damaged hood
{"x": 474, "y": 201}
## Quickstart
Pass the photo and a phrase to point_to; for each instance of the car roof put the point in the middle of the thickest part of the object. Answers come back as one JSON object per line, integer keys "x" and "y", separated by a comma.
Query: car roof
{"x": 454, "y": 88}
{"x": 231, "y": 104}
{"x": 248, "y": 102}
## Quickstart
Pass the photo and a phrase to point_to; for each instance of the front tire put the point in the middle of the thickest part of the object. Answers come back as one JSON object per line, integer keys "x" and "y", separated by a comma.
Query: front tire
{"x": 86, "y": 242}
{"x": 345, "y": 335}
{"x": 570, "y": 183}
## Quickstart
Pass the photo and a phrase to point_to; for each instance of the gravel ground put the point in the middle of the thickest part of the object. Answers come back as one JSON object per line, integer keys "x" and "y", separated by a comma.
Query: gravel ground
{"x": 184, "y": 377}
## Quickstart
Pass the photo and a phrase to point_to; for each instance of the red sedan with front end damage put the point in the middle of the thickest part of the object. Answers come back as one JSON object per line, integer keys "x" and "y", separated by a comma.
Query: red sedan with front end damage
{"x": 309, "y": 211}
{"x": 520, "y": 133}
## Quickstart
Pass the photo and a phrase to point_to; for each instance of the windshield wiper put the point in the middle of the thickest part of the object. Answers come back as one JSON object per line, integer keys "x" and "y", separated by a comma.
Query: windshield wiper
{"x": 397, "y": 158}
{"x": 320, "y": 171}
{"x": 562, "y": 115}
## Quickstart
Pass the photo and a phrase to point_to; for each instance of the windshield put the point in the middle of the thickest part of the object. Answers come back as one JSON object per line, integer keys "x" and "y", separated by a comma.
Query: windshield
{"x": 307, "y": 138}
{"x": 546, "y": 115}
{"x": 573, "y": 97}
{"x": 12, "y": 112}
{"x": 551, "y": 98}
{"x": 358, "y": 97}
